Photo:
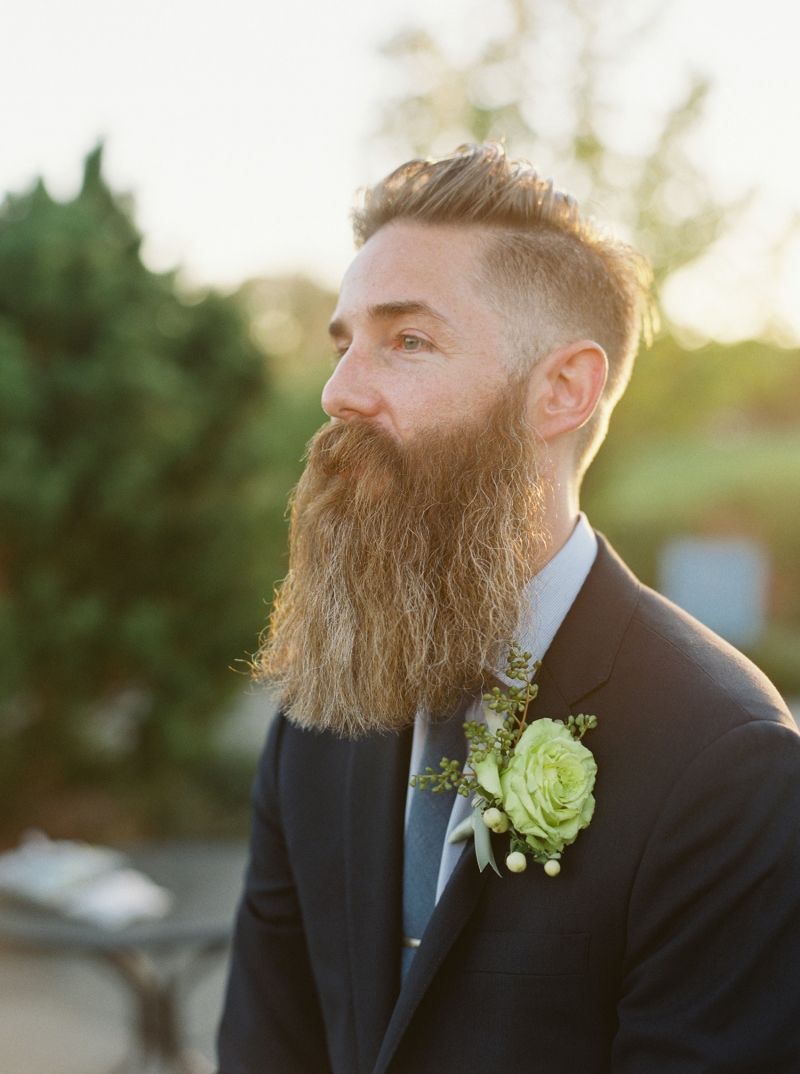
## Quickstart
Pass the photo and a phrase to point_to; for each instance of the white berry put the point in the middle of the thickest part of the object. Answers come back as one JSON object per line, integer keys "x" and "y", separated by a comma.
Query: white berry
{"x": 516, "y": 862}
{"x": 495, "y": 820}
{"x": 552, "y": 867}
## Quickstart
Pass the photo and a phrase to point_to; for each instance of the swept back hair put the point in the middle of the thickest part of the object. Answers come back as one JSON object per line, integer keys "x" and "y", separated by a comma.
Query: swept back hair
{"x": 554, "y": 274}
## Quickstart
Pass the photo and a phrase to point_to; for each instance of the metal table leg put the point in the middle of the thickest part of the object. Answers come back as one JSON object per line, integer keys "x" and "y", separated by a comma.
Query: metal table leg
{"x": 160, "y": 1046}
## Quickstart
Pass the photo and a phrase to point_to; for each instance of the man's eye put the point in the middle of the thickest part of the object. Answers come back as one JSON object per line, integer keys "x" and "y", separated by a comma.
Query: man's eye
{"x": 411, "y": 344}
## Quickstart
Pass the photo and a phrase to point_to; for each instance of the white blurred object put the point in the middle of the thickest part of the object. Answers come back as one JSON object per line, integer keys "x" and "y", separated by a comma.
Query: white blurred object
{"x": 92, "y": 884}
{"x": 117, "y": 899}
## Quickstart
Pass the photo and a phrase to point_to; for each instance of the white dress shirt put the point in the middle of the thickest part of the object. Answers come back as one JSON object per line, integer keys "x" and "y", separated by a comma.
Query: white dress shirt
{"x": 550, "y": 595}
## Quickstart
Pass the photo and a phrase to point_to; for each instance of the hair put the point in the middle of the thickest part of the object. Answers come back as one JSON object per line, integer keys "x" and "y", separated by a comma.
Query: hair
{"x": 555, "y": 275}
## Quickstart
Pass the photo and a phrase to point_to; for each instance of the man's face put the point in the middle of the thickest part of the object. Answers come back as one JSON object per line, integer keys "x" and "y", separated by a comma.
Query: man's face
{"x": 418, "y": 519}
{"x": 420, "y": 346}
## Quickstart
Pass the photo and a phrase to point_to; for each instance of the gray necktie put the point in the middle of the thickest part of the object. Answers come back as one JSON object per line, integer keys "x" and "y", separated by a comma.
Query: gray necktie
{"x": 425, "y": 832}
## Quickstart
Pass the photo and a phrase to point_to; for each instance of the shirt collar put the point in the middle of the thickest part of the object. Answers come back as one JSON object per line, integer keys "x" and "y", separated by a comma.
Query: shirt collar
{"x": 551, "y": 592}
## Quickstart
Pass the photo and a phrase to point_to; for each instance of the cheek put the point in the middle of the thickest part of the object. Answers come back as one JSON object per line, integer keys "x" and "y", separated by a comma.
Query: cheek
{"x": 420, "y": 402}
{"x": 436, "y": 398}
{"x": 425, "y": 412}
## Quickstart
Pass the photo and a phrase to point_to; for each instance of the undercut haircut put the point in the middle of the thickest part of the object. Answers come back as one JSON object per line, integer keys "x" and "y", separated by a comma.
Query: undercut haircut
{"x": 554, "y": 275}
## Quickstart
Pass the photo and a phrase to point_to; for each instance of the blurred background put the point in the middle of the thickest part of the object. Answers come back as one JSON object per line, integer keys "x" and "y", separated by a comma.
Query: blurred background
{"x": 175, "y": 185}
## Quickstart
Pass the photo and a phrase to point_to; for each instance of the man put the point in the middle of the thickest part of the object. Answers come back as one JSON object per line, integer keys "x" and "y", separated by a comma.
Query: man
{"x": 484, "y": 333}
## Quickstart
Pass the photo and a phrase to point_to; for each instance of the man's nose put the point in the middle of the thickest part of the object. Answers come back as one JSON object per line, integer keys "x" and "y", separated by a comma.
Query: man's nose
{"x": 351, "y": 392}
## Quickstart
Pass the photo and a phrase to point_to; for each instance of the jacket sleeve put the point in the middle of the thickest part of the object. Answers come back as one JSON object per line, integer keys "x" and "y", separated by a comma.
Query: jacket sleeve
{"x": 271, "y": 1021}
{"x": 712, "y": 975}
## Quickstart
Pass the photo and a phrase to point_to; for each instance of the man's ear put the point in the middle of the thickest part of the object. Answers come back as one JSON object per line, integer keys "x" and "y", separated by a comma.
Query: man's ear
{"x": 565, "y": 388}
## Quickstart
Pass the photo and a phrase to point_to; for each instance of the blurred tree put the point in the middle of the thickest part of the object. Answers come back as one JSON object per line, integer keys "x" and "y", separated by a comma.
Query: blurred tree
{"x": 289, "y": 316}
{"x": 527, "y": 87}
{"x": 135, "y": 502}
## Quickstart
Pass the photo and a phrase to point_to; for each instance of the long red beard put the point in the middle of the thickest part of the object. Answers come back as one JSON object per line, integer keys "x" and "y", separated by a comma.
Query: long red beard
{"x": 407, "y": 569}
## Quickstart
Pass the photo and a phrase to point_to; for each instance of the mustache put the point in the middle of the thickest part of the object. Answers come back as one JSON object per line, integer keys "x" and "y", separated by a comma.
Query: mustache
{"x": 347, "y": 448}
{"x": 437, "y": 461}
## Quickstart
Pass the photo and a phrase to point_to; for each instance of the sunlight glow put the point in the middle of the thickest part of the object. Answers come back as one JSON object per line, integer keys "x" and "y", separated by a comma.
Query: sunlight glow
{"x": 243, "y": 133}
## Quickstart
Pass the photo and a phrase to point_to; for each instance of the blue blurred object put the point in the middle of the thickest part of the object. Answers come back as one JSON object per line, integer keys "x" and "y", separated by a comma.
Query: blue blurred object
{"x": 721, "y": 581}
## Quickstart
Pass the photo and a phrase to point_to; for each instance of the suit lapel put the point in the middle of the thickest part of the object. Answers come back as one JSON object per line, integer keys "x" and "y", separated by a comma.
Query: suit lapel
{"x": 449, "y": 917}
{"x": 375, "y": 802}
{"x": 579, "y": 660}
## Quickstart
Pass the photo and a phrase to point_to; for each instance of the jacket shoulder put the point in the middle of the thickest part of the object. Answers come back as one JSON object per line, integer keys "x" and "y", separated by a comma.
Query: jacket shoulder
{"x": 623, "y": 635}
{"x": 717, "y": 670}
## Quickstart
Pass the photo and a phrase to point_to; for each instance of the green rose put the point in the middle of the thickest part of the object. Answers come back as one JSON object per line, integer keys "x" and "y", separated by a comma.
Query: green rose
{"x": 546, "y": 789}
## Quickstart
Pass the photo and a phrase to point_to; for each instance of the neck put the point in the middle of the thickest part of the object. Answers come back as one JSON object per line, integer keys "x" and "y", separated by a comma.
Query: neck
{"x": 561, "y": 507}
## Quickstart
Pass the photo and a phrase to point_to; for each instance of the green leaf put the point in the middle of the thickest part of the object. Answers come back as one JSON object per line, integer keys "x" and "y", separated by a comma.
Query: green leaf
{"x": 483, "y": 842}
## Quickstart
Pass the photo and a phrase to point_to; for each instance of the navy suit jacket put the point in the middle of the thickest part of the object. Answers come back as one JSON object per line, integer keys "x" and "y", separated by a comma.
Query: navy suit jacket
{"x": 669, "y": 944}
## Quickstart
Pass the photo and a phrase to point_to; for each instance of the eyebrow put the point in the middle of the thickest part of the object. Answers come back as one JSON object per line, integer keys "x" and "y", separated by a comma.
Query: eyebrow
{"x": 387, "y": 311}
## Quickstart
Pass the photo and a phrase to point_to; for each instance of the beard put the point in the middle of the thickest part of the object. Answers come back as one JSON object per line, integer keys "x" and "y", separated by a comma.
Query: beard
{"x": 407, "y": 569}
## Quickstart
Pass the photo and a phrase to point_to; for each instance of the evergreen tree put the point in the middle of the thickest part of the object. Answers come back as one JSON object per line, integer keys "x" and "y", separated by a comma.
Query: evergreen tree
{"x": 134, "y": 500}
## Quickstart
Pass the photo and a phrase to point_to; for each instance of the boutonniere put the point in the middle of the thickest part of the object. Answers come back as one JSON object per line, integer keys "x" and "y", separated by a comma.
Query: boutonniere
{"x": 533, "y": 781}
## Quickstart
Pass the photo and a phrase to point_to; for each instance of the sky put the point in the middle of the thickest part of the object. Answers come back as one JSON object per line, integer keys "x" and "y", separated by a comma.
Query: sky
{"x": 243, "y": 129}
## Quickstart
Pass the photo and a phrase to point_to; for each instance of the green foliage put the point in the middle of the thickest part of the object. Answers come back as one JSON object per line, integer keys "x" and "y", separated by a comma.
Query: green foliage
{"x": 140, "y": 529}
{"x": 289, "y": 316}
{"x": 706, "y": 441}
{"x": 776, "y": 653}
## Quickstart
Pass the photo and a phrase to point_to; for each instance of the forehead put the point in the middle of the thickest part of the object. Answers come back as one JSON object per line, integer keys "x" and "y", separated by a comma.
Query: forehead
{"x": 411, "y": 262}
